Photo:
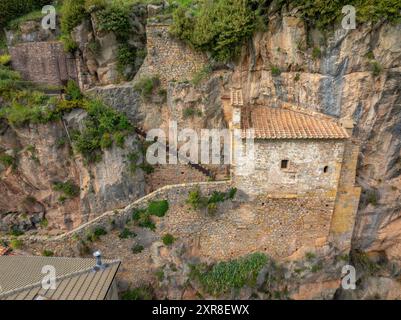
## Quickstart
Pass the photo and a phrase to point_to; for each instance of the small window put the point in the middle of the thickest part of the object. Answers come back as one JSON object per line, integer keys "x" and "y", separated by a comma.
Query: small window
{"x": 326, "y": 169}
{"x": 284, "y": 164}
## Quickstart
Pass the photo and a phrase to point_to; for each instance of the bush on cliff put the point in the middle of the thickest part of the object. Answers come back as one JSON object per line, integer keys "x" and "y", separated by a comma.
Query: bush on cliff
{"x": 158, "y": 208}
{"x": 72, "y": 14}
{"x": 12, "y": 9}
{"x": 101, "y": 121}
{"x": 219, "y": 26}
{"x": 323, "y": 13}
{"x": 234, "y": 274}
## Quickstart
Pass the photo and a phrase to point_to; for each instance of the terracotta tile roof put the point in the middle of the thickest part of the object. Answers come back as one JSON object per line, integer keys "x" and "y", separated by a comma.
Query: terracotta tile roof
{"x": 278, "y": 123}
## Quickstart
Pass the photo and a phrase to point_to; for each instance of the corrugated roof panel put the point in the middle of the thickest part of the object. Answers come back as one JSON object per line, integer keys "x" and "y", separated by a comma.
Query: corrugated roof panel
{"x": 103, "y": 291}
{"x": 21, "y": 278}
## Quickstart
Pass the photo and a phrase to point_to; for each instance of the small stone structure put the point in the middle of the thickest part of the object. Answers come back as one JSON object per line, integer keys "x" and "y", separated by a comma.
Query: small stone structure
{"x": 168, "y": 58}
{"x": 300, "y": 155}
{"x": 43, "y": 62}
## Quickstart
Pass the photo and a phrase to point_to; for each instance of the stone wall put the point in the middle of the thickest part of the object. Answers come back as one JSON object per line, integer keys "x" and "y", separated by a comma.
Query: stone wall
{"x": 171, "y": 174}
{"x": 43, "y": 62}
{"x": 307, "y": 160}
{"x": 175, "y": 194}
{"x": 169, "y": 58}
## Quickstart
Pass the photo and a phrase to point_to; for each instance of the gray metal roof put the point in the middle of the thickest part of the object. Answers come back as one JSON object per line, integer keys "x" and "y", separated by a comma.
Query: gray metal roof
{"x": 21, "y": 278}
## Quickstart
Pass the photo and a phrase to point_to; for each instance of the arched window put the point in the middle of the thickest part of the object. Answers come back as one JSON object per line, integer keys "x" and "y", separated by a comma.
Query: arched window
{"x": 326, "y": 169}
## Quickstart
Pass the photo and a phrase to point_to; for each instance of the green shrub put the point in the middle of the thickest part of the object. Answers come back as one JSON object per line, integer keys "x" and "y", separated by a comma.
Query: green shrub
{"x": 61, "y": 142}
{"x": 44, "y": 223}
{"x": 134, "y": 157}
{"x": 217, "y": 196}
{"x": 158, "y": 208}
{"x": 275, "y": 71}
{"x": 323, "y": 13}
{"x": 5, "y": 59}
{"x": 234, "y": 274}
{"x": 68, "y": 44}
{"x": 191, "y": 112}
{"x": 376, "y": 68}
{"x": 146, "y": 85}
{"x": 232, "y": 192}
{"x": 47, "y": 253}
{"x": 72, "y": 90}
{"x": 12, "y": 9}
{"x": 137, "y": 249}
{"x": 101, "y": 122}
{"x": 94, "y": 5}
{"x": 113, "y": 18}
{"x": 99, "y": 231}
{"x": 202, "y": 74}
{"x": 219, "y": 27}
{"x": 16, "y": 243}
{"x": 106, "y": 141}
{"x": 126, "y": 56}
{"x": 15, "y": 232}
{"x": 168, "y": 239}
{"x": 372, "y": 197}
{"x": 310, "y": 256}
{"x": 140, "y": 293}
{"x": 143, "y": 219}
{"x": 7, "y": 160}
{"x": 126, "y": 233}
{"x": 297, "y": 77}
{"x": 196, "y": 200}
{"x": 72, "y": 14}
{"x": 95, "y": 234}
{"x": 316, "y": 267}
{"x": 69, "y": 188}
{"x": 31, "y": 16}
{"x": 316, "y": 53}
{"x": 136, "y": 214}
{"x": 159, "y": 275}
{"x": 119, "y": 139}
{"x": 363, "y": 263}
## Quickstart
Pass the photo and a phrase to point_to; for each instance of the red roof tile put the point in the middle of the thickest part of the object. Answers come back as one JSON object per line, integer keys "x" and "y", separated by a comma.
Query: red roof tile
{"x": 278, "y": 123}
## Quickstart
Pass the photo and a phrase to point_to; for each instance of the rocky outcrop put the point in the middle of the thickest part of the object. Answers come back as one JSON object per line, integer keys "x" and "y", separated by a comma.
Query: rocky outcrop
{"x": 354, "y": 73}
{"x": 99, "y": 50}
{"x": 43, "y": 157}
{"x": 31, "y": 31}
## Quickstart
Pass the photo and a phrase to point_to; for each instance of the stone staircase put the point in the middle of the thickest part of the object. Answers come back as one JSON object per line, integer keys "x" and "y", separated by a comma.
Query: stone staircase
{"x": 208, "y": 173}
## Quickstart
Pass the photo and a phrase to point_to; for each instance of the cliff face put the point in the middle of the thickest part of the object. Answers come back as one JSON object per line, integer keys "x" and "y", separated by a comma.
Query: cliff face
{"x": 354, "y": 73}
{"x": 43, "y": 157}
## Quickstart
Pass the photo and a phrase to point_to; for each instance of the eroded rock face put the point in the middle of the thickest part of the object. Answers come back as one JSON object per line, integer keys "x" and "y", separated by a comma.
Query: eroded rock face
{"x": 99, "y": 49}
{"x": 43, "y": 156}
{"x": 281, "y": 67}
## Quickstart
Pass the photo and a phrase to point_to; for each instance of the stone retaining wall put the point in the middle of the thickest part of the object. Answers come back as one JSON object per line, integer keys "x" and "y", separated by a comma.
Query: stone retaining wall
{"x": 169, "y": 58}
{"x": 174, "y": 194}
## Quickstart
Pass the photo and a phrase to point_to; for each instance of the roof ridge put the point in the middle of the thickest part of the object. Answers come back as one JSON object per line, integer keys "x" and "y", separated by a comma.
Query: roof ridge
{"x": 63, "y": 277}
{"x": 284, "y": 123}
